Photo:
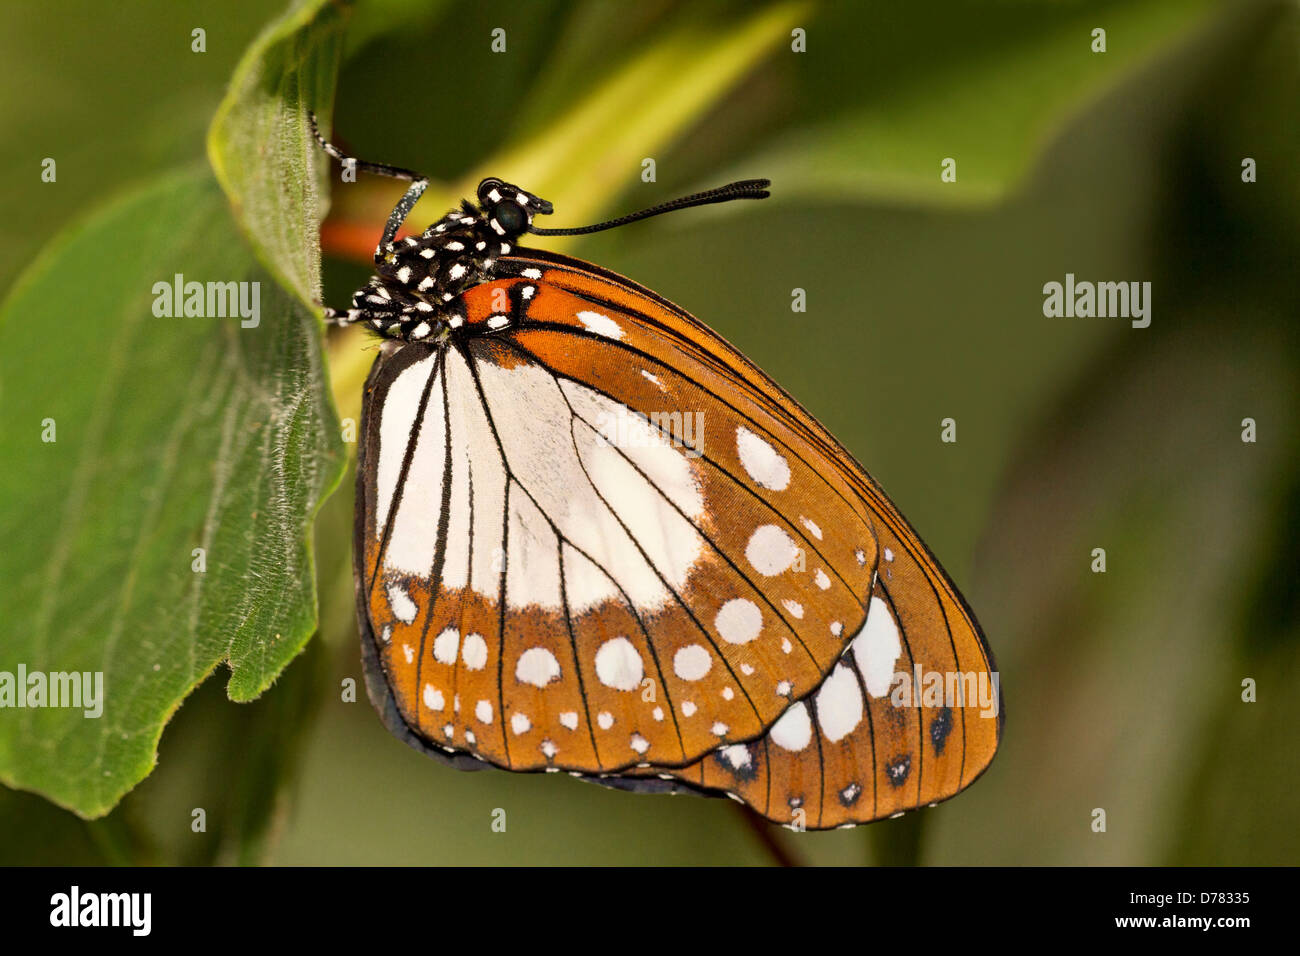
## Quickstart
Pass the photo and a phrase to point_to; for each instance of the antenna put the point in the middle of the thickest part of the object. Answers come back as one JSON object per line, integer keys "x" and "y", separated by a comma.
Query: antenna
{"x": 744, "y": 189}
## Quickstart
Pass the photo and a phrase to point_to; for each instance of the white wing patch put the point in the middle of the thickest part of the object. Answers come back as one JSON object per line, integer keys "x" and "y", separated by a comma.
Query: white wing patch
{"x": 486, "y": 476}
{"x": 401, "y": 406}
{"x": 591, "y": 494}
{"x": 414, "y": 536}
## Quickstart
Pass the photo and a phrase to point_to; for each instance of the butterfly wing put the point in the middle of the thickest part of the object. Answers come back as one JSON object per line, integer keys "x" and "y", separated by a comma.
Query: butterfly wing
{"x": 593, "y": 537}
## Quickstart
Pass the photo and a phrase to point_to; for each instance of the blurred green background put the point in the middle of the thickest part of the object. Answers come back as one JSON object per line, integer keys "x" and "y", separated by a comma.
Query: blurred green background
{"x": 1123, "y": 689}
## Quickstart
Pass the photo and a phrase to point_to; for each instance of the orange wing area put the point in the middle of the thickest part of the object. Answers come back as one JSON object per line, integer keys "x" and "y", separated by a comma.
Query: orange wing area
{"x": 540, "y": 592}
{"x": 864, "y": 747}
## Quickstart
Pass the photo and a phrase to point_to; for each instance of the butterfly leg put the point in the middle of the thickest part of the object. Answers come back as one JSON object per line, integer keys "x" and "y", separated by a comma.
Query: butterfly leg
{"x": 402, "y": 209}
{"x": 341, "y": 317}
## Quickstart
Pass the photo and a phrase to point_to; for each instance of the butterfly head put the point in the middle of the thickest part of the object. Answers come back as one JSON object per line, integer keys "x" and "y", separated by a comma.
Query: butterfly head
{"x": 508, "y": 209}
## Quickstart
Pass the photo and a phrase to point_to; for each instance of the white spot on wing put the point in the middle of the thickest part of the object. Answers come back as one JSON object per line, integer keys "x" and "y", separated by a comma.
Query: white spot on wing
{"x": 770, "y": 550}
{"x": 738, "y": 621}
{"x": 691, "y": 663}
{"x": 618, "y": 665}
{"x": 445, "y": 646}
{"x": 601, "y": 324}
{"x": 839, "y": 704}
{"x": 537, "y": 666}
{"x": 793, "y": 731}
{"x": 877, "y": 647}
{"x": 768, "y": 468}
{"x": 737, "y": 756}
{"x": 404, "y": 608}
{"x": 474, "y": 653}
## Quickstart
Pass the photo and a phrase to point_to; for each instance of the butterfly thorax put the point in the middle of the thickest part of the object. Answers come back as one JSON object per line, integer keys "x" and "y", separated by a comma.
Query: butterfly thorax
{"x": 414, "y": 294}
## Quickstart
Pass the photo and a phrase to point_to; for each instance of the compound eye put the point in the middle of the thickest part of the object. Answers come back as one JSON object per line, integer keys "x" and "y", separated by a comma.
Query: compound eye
{"x": 511, "y": 216}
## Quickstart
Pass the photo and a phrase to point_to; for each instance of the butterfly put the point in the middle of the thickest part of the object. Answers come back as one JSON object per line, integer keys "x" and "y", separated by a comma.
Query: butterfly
{"x": 593, "y": 538}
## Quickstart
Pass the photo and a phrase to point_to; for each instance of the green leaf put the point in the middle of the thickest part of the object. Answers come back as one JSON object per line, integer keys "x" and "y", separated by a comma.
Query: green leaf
{"x": 172, "y": 434}
{"x": 987, "y": 85}
{"x": 261, "y": 147}
{"x": 593, "y": 148}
